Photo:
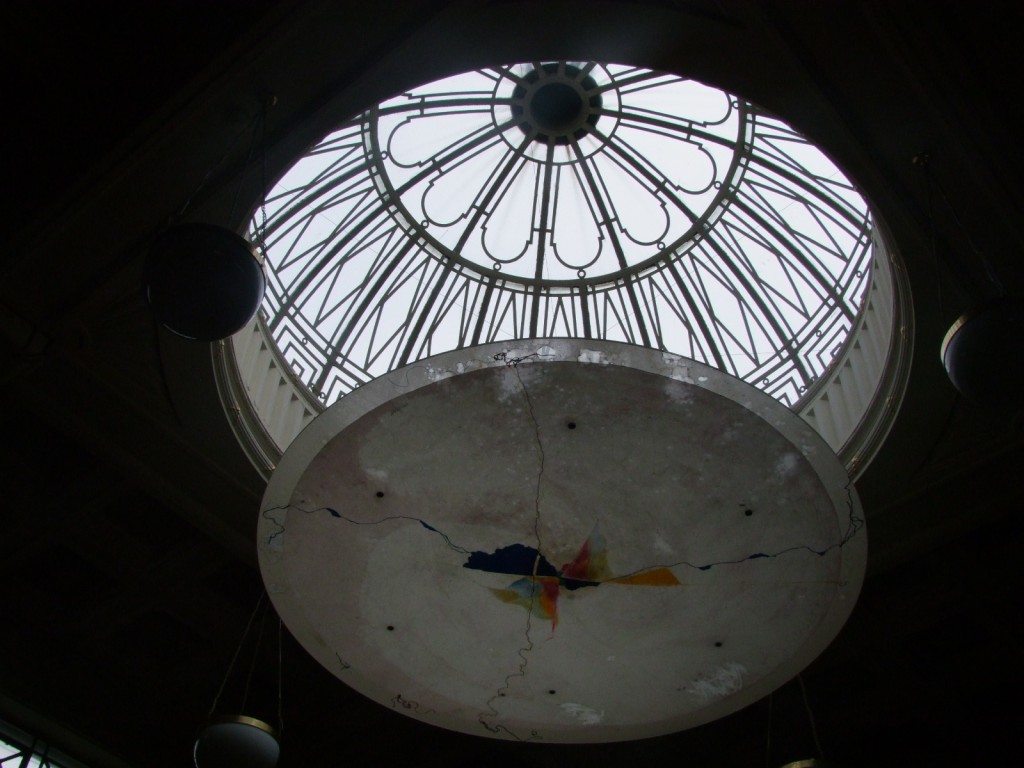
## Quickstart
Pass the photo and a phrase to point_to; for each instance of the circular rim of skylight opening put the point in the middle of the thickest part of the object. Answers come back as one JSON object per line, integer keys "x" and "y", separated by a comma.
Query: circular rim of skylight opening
{"x": 565, "y": 199}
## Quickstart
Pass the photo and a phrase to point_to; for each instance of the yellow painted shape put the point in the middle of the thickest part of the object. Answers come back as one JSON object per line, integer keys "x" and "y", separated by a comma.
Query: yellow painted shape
{"x": 656, "y": 577}
{"x": 507, "y": 596}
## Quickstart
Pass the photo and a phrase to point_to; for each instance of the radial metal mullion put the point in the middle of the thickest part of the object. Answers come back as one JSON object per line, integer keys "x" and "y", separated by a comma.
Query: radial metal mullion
{"x": 295, "y": 291}
{"x": 516, "y": 157}
{"x": 595, "y": 190}
{"x": 659, "y": 184}
{"x": 446, "y": 304}
{"x": 331, "y": 281}
{"x": 761, "y": 161}
{"x": 419, "y": 273}
{"x": 394, "y": 194}
{"x": 585, "y": 311}
{"x": 313, "y": 195}
{"x": 510, "y": 74}
{"x": 334, "y": 354}
{"x": 692, "y": 345}
{"x": 650, "y": 306}
{"x": 500, "y": 312}
{"x": 542, "y": 237}
{"x": 440, "y": 162}
{"x": 639, "y": 77}
{"x": 851, "y": 222}
{"x": 827, "y": 286}
{"x": 472, "y": 290}
{"x": 698, "y": 317}
{"x": 428, "y": 305}
{"x": 364, "y": 305}
{"x": 734, "y": 231}
{"x": 783, "y": 336}
{"x": 297, "y": 230}
{"x": 484, "y": 306}
{"x": 718, "y": 333}
{"x": 420, "y": 104}
{"x": 324, "y": 261}
{"x": 691, "y": 131}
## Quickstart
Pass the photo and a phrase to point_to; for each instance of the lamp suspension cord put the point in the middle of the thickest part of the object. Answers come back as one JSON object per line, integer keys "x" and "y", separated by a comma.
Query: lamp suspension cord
{"x": 249, "y": 125}
{"x": 810, "y": 717}
{"x": 768, "y": 738}
{"x": 261, "y": 117}
{"x": 252, "y": 661}
{"x": 933, "y": 244}
{"x": 258, "y": 139}
{"x": 238, "y": 650}
{"x": 923, "y": 161}
{"x": 280, "y": 677}
{"x": 261, "y": 230}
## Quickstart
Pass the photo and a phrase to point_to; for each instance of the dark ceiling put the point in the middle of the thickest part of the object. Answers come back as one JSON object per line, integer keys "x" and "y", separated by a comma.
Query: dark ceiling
{"x": 129, "y": 569}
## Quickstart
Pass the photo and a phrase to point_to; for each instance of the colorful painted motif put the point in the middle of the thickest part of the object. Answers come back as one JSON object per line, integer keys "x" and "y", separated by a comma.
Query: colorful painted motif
{"x": 540, "y": 583}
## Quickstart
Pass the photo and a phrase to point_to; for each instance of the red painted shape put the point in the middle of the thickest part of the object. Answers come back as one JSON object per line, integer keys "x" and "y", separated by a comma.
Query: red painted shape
{"x": 579, "y": 567}
{"x": 549, "y": 599}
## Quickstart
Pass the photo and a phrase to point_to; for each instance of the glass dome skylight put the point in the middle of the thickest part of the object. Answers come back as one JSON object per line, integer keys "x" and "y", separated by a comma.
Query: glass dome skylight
{"x": 565, "y": 199}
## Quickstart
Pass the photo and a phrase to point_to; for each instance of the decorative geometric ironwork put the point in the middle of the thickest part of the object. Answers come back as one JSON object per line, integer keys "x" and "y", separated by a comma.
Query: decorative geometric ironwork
{"x": 565, "y": 199}
{"x": 30, "y": 753}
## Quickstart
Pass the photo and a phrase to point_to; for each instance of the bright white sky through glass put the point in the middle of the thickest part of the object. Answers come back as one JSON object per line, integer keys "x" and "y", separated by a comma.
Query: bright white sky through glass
{"x": 666, "y": 214}
{"x": 444, "y": 200}
{"x": 9, "y": 756}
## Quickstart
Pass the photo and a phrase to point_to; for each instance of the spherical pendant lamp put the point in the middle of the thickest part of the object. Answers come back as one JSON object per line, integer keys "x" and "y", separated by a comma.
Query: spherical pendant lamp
{"x": 983, "y": 353}
{"x": 203, "y": 281}
{"x": 237, "y": 742}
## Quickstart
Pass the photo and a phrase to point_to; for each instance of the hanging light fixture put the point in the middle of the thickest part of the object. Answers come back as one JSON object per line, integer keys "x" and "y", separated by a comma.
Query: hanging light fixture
{"x": 983, "y": 351}
{"x": 237, "y": 742}
{"x": 240, "y": 740}
{"x": 204, "y": 281}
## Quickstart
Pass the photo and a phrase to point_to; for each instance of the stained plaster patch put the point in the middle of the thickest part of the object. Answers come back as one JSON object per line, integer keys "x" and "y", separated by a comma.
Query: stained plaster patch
{"x": 724, "y": 681}
{"x": 585, "y": 715}
{"x": 592, "y": 356}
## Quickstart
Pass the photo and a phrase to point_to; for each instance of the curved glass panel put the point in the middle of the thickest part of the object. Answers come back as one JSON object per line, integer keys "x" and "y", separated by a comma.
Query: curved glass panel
{"x": 565, "y": 199}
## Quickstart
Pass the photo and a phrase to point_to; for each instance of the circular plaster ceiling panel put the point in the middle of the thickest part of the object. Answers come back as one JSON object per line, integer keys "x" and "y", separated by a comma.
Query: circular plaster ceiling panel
{"x": 561, "y": 541}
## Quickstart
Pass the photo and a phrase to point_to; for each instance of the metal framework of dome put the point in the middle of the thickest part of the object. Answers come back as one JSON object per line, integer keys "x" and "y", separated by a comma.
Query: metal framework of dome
{"x": 565, "y": 199}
